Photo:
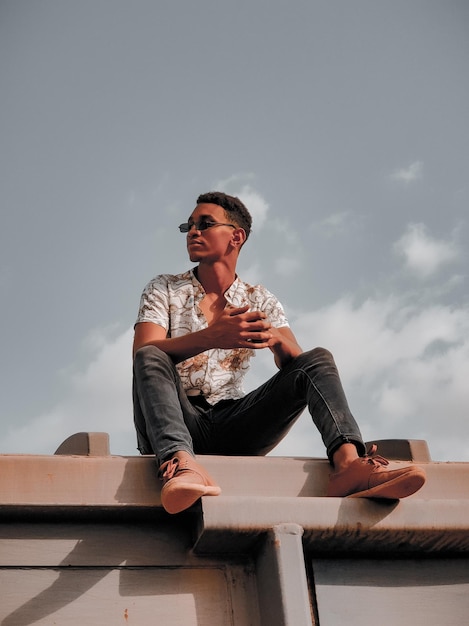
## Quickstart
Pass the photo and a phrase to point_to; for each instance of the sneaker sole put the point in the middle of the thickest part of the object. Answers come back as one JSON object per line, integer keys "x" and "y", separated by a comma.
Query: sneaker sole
{"x": 400, "y": 487}
{"x": 180, "y": 496}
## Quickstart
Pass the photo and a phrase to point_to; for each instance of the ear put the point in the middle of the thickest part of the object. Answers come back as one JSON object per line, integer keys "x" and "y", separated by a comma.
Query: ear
{"x": 238, "y": 237}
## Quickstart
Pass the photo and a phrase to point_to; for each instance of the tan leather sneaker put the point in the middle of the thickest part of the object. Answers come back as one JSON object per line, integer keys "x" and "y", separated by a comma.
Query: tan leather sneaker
{"x": 368, "y": 477}
{"x": 184, "y": 482}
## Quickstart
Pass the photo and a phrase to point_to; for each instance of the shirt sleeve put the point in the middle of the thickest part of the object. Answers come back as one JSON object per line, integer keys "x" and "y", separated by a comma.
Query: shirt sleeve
{"x": 154, "y": 302}
{"x": 275, "y": 313}
{"x": 268, "y": 303}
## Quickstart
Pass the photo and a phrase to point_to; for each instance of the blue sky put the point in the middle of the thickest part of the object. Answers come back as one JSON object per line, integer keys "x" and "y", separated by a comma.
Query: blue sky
{"x": 342, "y": 125}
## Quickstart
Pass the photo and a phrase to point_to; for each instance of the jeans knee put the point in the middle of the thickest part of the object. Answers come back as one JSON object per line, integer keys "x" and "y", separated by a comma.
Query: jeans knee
{"x": 145, "y": 354}
{"x": 316, "y": 356}
{"x": 324, "y": 354}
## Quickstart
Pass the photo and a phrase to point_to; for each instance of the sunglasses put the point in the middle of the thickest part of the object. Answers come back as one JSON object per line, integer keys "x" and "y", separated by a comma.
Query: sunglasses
{"x": 201, "y": 225}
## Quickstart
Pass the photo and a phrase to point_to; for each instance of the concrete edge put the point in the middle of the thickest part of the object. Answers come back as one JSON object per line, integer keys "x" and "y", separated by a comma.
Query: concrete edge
{"x": 345, "y": 524}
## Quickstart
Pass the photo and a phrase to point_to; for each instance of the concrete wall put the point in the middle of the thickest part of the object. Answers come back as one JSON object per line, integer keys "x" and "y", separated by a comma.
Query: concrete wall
{"x": 84, "y": 540}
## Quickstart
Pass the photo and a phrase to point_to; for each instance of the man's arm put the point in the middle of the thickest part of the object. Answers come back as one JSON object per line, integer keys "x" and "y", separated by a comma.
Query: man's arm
{"x": 178, "y": 348}
{"x": 234, "y": 328}
{"x": 283, "y": 345}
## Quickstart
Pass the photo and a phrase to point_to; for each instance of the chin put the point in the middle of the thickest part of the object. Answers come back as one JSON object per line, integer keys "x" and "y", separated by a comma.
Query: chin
{"x": 194, "y": 257}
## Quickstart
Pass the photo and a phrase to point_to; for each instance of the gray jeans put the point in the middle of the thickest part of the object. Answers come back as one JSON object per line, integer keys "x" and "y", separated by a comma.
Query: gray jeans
{"x": 167, "y": 420}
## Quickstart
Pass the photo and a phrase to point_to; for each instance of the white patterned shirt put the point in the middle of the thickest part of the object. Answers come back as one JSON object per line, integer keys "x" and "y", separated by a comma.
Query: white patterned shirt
{"x": 171, "y": 301}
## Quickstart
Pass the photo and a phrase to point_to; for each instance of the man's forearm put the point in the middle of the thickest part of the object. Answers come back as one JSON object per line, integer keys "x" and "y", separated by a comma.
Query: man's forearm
{"x": 181, "y": 348}
{"x": 284, "y": 351}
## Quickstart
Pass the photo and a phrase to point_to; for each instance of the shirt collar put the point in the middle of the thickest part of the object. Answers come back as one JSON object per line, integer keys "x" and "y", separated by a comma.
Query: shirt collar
{"x": 199, "y": 291}
{"x": 229, "y": 293}
{"x": 232, "y": 290}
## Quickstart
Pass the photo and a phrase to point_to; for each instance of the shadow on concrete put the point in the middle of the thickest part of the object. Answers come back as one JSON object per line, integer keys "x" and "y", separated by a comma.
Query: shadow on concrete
{"x": 146, "y": 547}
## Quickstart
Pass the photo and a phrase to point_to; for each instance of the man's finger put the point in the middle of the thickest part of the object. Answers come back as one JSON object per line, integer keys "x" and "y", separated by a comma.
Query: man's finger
{"x": 231, "y": 310}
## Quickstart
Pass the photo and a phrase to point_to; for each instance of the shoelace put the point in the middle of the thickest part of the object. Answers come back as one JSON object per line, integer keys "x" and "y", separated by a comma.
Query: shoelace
{"x": 169, "y": 469}
{"x": 172, "y": 467}
{"x": 375, "y": 459}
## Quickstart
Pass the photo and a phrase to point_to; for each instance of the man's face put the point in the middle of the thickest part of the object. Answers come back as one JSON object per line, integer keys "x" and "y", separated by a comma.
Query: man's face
{"x": 214, "y": 242}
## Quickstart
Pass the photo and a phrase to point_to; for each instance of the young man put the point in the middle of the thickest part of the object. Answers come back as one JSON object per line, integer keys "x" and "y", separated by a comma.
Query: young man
{"x": 194, "y": 336}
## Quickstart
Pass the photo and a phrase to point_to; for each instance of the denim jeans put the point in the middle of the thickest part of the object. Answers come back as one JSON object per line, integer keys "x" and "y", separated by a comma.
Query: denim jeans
{"x": 167, "y": 420}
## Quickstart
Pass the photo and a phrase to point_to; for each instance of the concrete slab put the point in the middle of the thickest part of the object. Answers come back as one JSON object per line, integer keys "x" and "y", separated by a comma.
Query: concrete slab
{"x": 116, "y": 481}
{"x": 84, "y": 537}
{"x": 337, "y": 525}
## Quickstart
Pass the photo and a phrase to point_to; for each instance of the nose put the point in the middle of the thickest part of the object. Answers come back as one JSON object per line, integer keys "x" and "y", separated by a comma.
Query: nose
{"x": 191, "y": 226}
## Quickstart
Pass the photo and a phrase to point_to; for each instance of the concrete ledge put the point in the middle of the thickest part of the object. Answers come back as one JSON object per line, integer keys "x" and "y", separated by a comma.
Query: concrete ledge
{"x": 87, "y": 444}
{"x": 116, "y": 481}
{"x": 415, "y": 450}
{"x": 112, "y": 481}
{"x": 84, "y": 539}
{"x": 97, "y": 444}
{"x": 303, "y": 477}
{"x": 258, "y": 493}
{"x": 337, "y": 525}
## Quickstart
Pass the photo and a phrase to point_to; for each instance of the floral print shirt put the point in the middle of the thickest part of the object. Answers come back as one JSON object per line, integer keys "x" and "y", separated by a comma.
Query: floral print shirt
{"x": 171, "y": 301}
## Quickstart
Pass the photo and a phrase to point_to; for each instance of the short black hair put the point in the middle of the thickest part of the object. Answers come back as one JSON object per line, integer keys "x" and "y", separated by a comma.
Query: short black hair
{"x": 234, "y": 208}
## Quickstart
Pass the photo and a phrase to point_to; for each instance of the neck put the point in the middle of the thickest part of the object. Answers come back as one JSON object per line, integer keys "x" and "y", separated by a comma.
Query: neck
{"x": 215, "y": 278}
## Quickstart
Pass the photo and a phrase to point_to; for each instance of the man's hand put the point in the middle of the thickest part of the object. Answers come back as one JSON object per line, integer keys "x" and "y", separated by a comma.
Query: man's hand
{"x": 233, "y": 328}
{"x": 283, "y": 345}
{"x": 239, "y": 328}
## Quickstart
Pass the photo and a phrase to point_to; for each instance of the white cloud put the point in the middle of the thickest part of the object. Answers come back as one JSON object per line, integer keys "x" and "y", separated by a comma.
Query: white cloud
{"x": 98, "y": 338}
{"x": 99, "y": 399}
{"x": 252, "y": 274}
{"x": 290, "y": 236}
{"x": 287, "y": 266}
{"x": 409, "y": 174}
{"x": 332, "y": 224}
{"x": 423, "y": 254}
{"x": 236, "y": 185}
{"x": 233, "y": 182}
{"x": 335, "y": 220}
{"x": 256, "y": 205}
{"x": 404, "y": 370}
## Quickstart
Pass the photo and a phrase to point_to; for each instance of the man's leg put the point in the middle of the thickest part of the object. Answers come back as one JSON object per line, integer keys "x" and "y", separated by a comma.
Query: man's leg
{"x": 162, "y": 413}
{"x": 166, "y": 425}
{"x": 257, "y": 423}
